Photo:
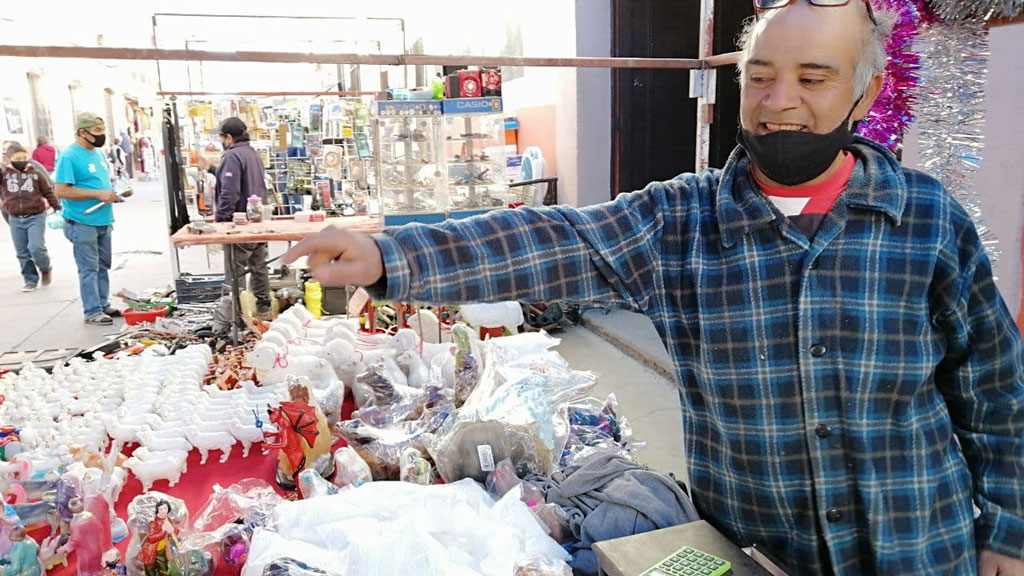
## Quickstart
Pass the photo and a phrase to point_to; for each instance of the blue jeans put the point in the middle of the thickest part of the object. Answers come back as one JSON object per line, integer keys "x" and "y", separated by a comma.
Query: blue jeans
{"x": 29, "y": 235}
{"x": 92, "y": 255}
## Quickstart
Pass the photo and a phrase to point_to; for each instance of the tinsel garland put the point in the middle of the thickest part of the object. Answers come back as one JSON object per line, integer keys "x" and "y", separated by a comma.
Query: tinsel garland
{"x": 976, "y": 10}
{"x": 891, "y": 114}
{"x": 950, "y": 117}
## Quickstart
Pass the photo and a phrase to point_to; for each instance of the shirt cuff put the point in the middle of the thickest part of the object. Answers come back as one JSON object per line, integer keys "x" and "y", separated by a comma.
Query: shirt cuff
{"x": 397, "y": 274}
{"x": 1000, "y": 532}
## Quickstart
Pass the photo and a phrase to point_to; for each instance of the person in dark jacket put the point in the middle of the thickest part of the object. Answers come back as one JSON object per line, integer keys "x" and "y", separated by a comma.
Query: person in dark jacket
{"x": 239, "y": 176}
{"x": 26, "y": 196}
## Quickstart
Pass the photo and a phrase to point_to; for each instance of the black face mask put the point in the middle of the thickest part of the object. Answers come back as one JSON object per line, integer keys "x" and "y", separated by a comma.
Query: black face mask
{"x": 97, "y": 140}
{"x": 790, "y": 157}
{"x": 19, "y": 165}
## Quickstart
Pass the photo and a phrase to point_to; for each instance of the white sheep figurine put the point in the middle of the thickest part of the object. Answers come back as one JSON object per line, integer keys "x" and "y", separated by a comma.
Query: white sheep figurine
{"x": 154, "y": 443}
{"x": 246, "y": 432}
{"x": 273, "y": 365}
{"x": 206, "y": 441}
{"x": 506, "y": 314}
{"x": 415, "y": 369}
{"x": 149, "y": 471}
{"x": 407, "y": 339}
{"x": 145, "y": 454}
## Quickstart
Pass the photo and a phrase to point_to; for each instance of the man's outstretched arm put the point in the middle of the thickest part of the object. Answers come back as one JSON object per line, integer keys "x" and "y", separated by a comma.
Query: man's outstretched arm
{"x": 604, "y": 253}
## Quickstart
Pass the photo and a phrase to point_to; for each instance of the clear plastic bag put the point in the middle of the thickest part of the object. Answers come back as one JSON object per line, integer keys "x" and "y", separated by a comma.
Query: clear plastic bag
{"x": 350, "y": 469}
{"x": 381, "y": 448}
{"x": 405, "y": 407}
{"x": 542, "y": 566}
{"x": 157, "y": 514}
{"x": 415, "y": 468}
{"x": 504, "y": 478}
{"x": 249, "y": 501}
{"x": 224, "y": 526}
{"x": 292, "y": 567}
{"x": 312, "y": 485}
{"x": 596, "y": 425}
{"x": 404, "y": 528}
{"x": 517, "y": 410}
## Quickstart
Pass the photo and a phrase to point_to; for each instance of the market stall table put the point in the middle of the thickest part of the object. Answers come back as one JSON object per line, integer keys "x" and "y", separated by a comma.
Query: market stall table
{"x": 197, "y": 485}
{"x": 282, "y": 230}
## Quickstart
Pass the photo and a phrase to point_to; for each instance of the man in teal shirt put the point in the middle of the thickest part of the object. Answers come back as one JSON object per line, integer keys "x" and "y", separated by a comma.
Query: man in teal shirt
{"x": 83, "y": 182}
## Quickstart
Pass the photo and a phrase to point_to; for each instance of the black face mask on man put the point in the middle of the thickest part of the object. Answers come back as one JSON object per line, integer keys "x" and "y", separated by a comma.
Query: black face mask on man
{"x": 19, "y": 165}
{"x": 792, "y": 157}
{"x": 97, "y": 140}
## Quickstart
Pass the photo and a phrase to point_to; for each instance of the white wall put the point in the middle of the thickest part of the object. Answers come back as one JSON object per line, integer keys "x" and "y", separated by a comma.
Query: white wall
{"x": 593, "y": 104}
{"x": 1000, "y": 181}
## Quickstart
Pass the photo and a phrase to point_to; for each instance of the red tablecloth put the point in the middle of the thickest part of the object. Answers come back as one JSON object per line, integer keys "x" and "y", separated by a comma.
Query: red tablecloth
{"x": 196, "y": 486}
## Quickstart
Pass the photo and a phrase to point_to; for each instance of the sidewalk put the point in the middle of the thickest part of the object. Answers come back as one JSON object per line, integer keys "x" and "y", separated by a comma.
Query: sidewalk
{"x": 52, "y": 316}
{"x": 633, "y": 334}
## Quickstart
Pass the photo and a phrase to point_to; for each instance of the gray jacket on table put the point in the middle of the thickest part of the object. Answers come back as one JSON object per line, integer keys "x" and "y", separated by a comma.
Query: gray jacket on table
{"x": 607, "y": 496}
{"x": 239, "y": 176}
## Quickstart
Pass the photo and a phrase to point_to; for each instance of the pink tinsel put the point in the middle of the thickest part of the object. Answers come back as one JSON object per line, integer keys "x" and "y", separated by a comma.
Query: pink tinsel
{"x": 888, "y": 119}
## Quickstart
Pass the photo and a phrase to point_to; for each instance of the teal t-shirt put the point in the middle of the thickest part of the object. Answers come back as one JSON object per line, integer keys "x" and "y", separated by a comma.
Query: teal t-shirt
{"x": 88, "y": 170}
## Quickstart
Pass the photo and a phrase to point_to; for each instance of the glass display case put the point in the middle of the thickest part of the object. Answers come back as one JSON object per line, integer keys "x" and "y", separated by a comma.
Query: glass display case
{"x": 410, "y": 167}
{"x": 475, "y": 163}
{"x": 440, "y": 159}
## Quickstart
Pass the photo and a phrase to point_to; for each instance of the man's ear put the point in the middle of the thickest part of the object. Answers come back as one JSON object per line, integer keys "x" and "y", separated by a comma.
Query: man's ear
{"x": 865, "y": 104}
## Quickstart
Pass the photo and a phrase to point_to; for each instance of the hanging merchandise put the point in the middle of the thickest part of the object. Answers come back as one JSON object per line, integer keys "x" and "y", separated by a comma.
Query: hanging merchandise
{"x": 315, "y": 116}
{"x": 950, "y": 113}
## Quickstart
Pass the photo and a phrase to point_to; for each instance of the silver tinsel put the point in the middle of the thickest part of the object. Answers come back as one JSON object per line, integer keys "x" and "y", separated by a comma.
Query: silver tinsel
{"x": 950, "y": 116}
{"x": 976, "y": 10}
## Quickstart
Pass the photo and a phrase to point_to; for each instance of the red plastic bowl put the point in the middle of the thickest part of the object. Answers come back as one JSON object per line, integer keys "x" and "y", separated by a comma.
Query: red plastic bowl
{"x": 133, "y": 317}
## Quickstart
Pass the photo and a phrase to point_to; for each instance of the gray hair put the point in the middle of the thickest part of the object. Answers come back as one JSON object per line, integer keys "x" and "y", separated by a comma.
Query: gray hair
{"x": 872, "y": 57}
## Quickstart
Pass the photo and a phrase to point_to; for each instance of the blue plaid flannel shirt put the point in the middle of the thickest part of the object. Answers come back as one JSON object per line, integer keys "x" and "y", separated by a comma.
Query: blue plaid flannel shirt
{"x": 845, "y": 400}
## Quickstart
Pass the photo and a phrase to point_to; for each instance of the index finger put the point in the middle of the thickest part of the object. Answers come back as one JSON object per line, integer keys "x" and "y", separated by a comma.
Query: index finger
{"x": 327, "y": 240}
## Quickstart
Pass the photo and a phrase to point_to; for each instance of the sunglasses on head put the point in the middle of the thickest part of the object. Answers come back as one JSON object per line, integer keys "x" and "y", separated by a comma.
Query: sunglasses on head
{"x": 760, "y": 5}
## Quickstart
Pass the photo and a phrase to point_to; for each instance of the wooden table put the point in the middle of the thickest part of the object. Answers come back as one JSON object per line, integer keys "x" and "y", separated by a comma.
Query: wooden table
{"x": 273, "y": 231}
{"x": 631, "y": 555}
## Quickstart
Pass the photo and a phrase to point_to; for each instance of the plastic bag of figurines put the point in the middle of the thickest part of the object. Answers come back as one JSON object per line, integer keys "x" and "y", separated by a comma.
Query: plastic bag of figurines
{"x": 157, "y": 523}
{"x": 542, "y": 566}
{"x": 224, "y": 526}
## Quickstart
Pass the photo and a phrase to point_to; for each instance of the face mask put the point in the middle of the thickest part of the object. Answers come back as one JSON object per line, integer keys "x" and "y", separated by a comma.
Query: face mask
{"x": 790, "y": 157}
{"x": 19, "y": 165}
{"x": 97, "y": 141}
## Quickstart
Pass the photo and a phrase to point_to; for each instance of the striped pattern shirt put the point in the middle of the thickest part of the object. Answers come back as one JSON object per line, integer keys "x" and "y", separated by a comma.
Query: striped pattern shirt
{"x": 807, "y": 205}
{"x": 823, "y": 382}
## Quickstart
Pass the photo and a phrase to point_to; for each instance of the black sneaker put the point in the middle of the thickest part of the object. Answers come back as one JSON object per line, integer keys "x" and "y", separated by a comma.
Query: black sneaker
{"x": 99, "y": 320}
{"x": 112, "y": 312}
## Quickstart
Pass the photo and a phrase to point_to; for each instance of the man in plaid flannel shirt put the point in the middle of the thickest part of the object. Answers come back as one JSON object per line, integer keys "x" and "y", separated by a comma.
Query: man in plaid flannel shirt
{"x": 851, "y": 382}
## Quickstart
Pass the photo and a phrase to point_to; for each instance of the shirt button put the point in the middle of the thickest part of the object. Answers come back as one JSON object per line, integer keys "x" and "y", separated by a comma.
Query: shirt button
{"x": 833, "y": 515}
{"x": 814, "y": 264}
{"x": 822, "y": 431}
{"x": 818, "y": 350}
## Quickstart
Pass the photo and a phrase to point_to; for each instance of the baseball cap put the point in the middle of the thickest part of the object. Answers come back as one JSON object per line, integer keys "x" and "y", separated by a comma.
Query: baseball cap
{"x": 233, "y": 126}
{"x": 87, "y": 120}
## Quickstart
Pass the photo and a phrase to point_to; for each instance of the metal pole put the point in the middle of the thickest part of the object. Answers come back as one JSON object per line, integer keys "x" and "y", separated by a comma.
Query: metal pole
{"x": 707, "y": 77}
{"x": 104, "y": 53}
